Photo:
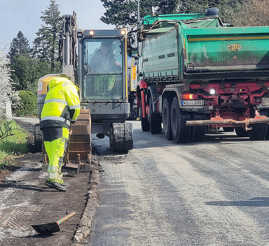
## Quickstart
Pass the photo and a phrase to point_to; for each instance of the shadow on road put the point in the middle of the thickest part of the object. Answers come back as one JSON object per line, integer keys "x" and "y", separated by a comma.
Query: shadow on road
{"x": 15, "y": 185}
{"x": 148, "y": 140}
{"x": 38, "y": 236}
{"x": 253, "y": 202}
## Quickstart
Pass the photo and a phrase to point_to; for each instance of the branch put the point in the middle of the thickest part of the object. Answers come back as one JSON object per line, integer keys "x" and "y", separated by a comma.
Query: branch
{"x": 6, "y": 130}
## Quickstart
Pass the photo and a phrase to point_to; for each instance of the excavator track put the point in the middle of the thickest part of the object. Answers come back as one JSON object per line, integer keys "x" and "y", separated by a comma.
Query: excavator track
{"x": 121, "y": 140}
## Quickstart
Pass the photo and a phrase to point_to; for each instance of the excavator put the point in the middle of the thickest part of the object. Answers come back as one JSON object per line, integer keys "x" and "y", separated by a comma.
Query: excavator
{"x": 97, "y": 61}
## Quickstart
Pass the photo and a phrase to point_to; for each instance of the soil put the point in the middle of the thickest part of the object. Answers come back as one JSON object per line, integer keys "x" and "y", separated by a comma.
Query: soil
{"x": 12, "y": 166}
{"x": 26, "y": 200}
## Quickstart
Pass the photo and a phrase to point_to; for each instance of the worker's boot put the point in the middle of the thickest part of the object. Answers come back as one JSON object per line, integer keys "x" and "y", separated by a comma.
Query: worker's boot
{"x": 57, "y": 186}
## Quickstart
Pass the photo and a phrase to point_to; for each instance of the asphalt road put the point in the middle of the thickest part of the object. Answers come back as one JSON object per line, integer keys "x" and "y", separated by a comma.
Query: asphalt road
{"x": 214, "y": 192}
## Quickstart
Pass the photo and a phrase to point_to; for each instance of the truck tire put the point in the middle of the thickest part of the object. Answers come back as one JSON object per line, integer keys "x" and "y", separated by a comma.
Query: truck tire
{"x": 197, "y": 132}
{"x": 258, "y": 132}
{"x": 155, "y": 123}
{"x": 166, "y": 119}
{"x": 178, "y": 128}
{"x": 144, "y": 124}
{"x": 240, "y": 132}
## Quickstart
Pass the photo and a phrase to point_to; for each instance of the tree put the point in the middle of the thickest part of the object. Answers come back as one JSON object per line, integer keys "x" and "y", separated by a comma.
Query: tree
{"x": 124, "y": 12}
{"x": 252, "y": 13}
{"x": 47, "y": 41}
{"x": 19, "y": 46}
{"x": 20, "y": 59}
{"x": 26, "y": 71}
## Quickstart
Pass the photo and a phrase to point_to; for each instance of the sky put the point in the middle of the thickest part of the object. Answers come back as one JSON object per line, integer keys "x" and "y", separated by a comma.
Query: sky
{"x": 24, "y": 15}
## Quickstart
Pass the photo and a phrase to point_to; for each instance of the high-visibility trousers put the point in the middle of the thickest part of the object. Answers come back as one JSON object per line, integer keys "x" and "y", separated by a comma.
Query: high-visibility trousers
{"x": 55, "y": 142}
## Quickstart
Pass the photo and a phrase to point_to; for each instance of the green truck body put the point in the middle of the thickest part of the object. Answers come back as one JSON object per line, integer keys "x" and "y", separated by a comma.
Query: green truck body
{"x": 200, "y": 46}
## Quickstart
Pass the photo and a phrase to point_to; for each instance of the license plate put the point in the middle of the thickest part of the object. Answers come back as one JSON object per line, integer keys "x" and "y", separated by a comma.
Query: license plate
{"x": 192, "y": 102}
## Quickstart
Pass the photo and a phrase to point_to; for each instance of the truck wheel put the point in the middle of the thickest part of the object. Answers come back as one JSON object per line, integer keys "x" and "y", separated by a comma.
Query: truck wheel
{"x": 155, "y": 124}
{"x": 144, "y": 124}
{"x": 241, "y": 132}
{"x": 166, "y": 119}
{"x": 197, "y": 132}
{"x": 178, "y": 128}
{"x": 258, "y": 132}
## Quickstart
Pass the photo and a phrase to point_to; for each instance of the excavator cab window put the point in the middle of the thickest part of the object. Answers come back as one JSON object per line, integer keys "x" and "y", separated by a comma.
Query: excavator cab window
{"x": 102, "y": 69}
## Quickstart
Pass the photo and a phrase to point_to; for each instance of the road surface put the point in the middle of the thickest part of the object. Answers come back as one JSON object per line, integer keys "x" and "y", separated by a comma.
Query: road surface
{"x": 214, "y": 192}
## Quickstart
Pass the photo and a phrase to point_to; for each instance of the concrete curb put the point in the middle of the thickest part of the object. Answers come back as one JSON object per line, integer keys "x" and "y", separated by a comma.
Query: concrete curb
{"x": 85, "y": 226}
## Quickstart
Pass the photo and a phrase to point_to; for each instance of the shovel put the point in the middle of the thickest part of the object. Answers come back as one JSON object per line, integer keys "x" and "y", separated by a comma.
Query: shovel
{"x": 50, "y": 228}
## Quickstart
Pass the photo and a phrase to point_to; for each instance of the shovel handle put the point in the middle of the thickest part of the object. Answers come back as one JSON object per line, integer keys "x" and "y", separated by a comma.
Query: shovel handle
{"x": 60, "y": 221}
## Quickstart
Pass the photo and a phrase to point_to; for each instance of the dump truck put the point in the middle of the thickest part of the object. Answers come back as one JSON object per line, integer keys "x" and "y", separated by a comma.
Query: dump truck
{"x": 196, "y": 72}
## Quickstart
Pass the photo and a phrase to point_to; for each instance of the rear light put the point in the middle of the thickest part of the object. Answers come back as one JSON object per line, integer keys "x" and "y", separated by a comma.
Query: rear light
{"x": 212, "y": 91}
{"x": 188, "y": 96}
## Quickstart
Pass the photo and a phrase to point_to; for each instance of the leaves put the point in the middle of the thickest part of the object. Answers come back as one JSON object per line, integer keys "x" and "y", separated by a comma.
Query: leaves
{"x": 6, "y": 129}
{"x": 254, "y": 13}
{"x": 124, "y": 12}
{"x": 19, "y": 46}
{"x": 47, "y": 41}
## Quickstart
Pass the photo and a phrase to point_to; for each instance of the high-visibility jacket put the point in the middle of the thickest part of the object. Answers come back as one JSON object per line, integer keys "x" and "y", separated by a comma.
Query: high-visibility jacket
{"x": 62, "y": 104}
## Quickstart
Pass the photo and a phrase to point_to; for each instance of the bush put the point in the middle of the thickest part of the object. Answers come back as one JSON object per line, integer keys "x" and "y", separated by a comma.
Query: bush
{"x": 14, "y": 144}
{"x": 5, "y": 129}
{"x": 27, "y": 105}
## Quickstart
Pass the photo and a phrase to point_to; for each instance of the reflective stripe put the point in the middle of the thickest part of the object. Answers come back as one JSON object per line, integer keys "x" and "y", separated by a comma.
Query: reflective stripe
{"x": 74, "y": 107}
{"x": 65, "y": 84}
{"x": 53, "y": 118}
{"x": 67, "y": 122}
{"x": 53, "y": 175}
{"x": 52, "y": 169}
{"x": 56, "y": 100}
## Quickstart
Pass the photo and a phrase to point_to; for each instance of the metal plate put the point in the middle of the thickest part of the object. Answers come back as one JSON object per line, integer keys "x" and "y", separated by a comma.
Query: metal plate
{"x": 192, "y": 102}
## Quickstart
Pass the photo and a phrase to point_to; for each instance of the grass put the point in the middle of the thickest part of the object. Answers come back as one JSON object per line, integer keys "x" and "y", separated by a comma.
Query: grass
{"x": 13, "y": 145}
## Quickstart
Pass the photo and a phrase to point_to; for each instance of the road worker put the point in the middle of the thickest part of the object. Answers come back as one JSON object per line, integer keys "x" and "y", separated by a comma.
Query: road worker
{"x": 61, "y": 108}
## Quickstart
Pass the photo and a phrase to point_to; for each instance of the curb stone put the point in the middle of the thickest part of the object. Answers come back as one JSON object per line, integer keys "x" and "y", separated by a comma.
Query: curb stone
{"x": 85, "y": 225}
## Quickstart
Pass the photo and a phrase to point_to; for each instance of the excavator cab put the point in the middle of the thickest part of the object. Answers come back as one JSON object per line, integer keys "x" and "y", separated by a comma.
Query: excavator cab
{"x": 102, "y": 74}
{"x": 103, "y": 69}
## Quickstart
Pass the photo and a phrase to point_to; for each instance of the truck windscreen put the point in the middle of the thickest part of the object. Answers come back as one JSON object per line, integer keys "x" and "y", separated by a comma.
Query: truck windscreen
{"x": 102, "y": 69}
